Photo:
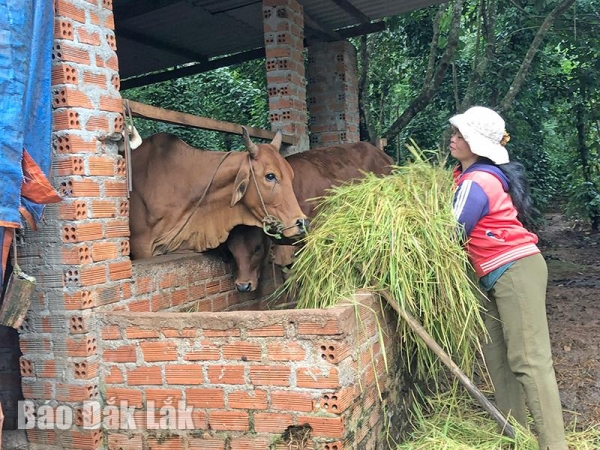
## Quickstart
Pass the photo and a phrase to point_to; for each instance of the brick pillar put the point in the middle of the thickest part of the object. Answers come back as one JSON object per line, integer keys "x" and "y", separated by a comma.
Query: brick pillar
{"x": 286, "y": 82}
{"x": 333, "y": 94}
{"x": 79, "y": 256}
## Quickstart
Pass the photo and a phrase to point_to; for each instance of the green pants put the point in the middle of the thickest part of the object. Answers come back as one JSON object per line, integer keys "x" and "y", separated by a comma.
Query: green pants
{"x": 519, "y": 356}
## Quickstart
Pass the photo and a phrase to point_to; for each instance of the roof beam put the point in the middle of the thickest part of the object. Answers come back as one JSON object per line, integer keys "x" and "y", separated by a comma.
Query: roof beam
{"x": 138, "y": 8}
{"x": 352, "y": 10}
{"x": 159, "y": 44}
{"x": 357, "y": 30}
{"x": 320, "y": 28}
{"x": 226, "y": 10}
{"x": 194, "y": 69}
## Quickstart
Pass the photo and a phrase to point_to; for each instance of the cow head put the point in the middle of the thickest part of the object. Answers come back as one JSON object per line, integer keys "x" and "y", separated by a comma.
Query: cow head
{"x": 250, "y": 248}
{"x": 283, "y": 255}
{"x": 264, "y": 185}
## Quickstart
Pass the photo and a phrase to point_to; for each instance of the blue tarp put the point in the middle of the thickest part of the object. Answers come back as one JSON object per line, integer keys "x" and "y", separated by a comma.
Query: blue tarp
{"x": 26, "y": 37}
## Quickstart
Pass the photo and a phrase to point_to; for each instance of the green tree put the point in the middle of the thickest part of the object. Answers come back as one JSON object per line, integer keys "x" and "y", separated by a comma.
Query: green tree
{"x": 235, "y": 94}
{"x": 497, "y": 60}
{"x": 575, "y": 132}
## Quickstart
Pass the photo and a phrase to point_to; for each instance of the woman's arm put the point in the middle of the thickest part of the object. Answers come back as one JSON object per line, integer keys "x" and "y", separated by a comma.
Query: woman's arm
{"x": 470, "y": 205}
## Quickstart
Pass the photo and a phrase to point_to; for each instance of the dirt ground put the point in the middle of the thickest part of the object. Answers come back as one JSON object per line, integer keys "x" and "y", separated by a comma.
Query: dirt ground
{"x": 573, "y": 256}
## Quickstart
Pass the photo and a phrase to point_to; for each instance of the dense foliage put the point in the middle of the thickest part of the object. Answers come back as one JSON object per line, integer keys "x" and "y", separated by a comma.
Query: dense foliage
{"x": 553, "y": 119}
{"x": 234, "y": 94}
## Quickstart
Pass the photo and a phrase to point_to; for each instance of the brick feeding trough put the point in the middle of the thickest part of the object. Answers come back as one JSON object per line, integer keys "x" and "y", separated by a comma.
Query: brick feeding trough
{"x": 257, "y": 379}
{"x": 129, "y": 346}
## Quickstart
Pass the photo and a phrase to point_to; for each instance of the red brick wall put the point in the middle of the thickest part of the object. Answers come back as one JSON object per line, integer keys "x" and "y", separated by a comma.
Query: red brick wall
{"x": 286, "y": 83}
{"x": 80, "y": 253}
{"x": 180, "y": 282}
{"x": 249, "y": 377}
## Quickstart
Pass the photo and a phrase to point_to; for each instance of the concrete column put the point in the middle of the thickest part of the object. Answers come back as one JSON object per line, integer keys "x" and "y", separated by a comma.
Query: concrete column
{"x": 333, "y": 94}
{"x": 286, "y": 82}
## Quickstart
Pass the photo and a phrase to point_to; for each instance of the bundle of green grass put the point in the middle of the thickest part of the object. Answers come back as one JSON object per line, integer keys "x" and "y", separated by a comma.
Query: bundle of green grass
{"x": 396, "y": 233}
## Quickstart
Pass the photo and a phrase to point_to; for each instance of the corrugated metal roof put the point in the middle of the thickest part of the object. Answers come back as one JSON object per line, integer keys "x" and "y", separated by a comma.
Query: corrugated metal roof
{"x": 160, "y": 34}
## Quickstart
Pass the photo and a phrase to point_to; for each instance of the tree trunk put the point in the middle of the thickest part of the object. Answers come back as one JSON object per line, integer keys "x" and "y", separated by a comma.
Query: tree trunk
{"x": 367, "y": 133}
{"x": 487, "y": 28}
{"x": 584, "y": 160}
{"x": 435, "y": 74}
{"x": 433, "y": 46}
{"x": 521, "y": 75}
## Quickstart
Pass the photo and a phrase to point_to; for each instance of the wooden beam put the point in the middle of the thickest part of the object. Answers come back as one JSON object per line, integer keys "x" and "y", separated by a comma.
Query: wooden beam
{"x": 144, "y": 111}
{"x": 192, "y": 69}
{"x": 352, "y": 10}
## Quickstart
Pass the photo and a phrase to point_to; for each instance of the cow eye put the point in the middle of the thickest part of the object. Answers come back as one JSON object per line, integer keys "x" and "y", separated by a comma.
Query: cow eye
{"x": 270, "y": 177}
{"x": 257, "y": 249}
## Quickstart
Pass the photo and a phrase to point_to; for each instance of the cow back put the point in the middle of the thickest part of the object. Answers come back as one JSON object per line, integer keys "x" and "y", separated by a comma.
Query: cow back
{"x": 320, "y": 169}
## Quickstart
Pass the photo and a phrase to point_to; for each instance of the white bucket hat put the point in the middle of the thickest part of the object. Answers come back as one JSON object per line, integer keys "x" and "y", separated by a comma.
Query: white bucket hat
{"x": 483, "y": 129}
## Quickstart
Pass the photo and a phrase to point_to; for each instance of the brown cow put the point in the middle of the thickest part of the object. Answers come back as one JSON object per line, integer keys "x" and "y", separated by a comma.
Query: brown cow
{"x": 316, "y": 171}
{"x": 189, "y": 199}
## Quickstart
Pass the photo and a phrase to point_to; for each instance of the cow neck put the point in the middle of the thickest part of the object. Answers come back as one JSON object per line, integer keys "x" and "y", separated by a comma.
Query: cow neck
{"x": 201, "y": 199}
{"x": 172, "y": 237}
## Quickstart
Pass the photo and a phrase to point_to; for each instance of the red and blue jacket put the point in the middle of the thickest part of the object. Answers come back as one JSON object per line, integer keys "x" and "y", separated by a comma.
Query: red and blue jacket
{"x": 482, "y": 205}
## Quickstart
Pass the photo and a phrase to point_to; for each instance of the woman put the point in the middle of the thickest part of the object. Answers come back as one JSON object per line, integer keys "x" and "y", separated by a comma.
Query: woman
{"x": 491, "y": 202}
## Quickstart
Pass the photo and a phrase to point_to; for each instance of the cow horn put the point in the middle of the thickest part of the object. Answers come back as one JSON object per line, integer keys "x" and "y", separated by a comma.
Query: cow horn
{"x": 250, "y": 146}
{"x": 277, "y": 139}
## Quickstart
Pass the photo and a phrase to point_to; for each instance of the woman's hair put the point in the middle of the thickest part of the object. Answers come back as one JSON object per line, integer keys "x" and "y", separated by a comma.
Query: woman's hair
{"x": 518, "y": 189}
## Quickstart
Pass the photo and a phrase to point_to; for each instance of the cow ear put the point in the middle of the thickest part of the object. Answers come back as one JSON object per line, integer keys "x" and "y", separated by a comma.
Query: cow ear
{"x": 277, "y": 139}
{"x": 250, "y": 146}
{"x": 135, "y": 140}
{"x": 241, "y": 183}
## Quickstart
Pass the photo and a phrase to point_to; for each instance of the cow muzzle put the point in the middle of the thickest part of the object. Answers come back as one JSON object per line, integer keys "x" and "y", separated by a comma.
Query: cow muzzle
{"x": 287, "y": 237}
{"x": 246, "y": 286}
{"x": 303, "y": 225}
